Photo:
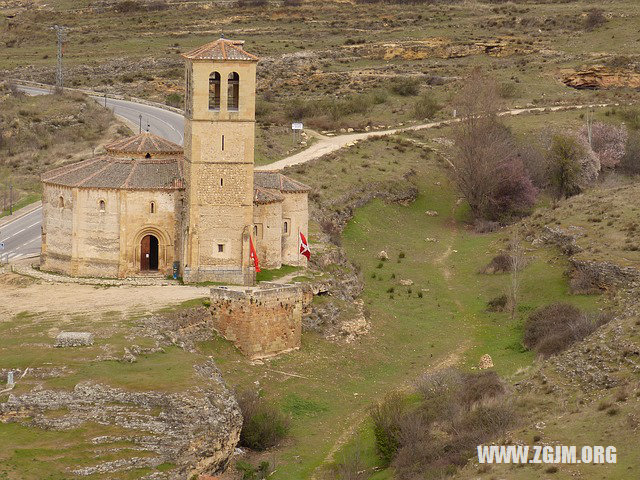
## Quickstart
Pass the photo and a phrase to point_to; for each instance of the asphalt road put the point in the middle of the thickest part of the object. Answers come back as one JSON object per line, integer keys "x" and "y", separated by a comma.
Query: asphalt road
{"x": 22, "y": 237}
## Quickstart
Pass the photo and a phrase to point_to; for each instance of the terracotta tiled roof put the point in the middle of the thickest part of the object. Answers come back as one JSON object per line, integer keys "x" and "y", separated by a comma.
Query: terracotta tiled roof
{"x": 262, "y": 196}
{"x": 142, "y": 144}
{"x": 221, "y": 49}
{"x": 120, "y": 173}
{"x": 277, "y": 181}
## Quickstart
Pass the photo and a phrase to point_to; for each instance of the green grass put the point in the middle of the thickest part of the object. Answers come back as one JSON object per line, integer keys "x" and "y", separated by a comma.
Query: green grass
{"x": 23, "y": 202}
{"x": 268, "y": 275}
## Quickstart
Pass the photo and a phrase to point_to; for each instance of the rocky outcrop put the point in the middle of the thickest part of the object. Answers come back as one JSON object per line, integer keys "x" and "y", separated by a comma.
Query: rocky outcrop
{"x": 599, "y": 77}
{"x": 197, "y": 430}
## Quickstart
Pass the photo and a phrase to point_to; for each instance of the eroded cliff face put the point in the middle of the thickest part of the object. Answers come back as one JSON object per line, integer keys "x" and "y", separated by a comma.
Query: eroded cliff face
{"x": 600, "y": 77}
{"x": 196, "y": 430}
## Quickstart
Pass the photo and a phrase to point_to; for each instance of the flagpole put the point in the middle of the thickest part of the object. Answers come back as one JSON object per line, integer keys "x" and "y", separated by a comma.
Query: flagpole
{"x": 299, "y": 244}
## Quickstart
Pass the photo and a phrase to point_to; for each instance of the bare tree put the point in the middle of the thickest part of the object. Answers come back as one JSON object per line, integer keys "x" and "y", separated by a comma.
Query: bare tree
{"x": 516, "y": 258}
{"x": 486, "y": 165}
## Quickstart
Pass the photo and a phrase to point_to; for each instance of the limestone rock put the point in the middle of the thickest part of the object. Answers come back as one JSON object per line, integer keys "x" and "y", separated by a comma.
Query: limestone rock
{"x": 406, "y": 282}
{"x": 431, "y": 213}
{"x": 383, "y": 255}
{"x": 485, "y": 362}
{"x": 74, "y": 339}
{"x": 599, "y": 76}
{"x": 197, "y": 430}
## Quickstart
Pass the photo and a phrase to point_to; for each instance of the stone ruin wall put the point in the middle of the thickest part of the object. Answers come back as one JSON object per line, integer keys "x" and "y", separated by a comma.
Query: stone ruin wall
{"x": 261, "y": 321}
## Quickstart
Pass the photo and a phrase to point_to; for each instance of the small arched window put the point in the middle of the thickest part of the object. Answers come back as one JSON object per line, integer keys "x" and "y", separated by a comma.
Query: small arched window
{"x": 214, "y": 91}
{"x": 148, "y": 155}
{"x": 255, "y": 231}
{"x": 286, "y": 227}
{"x": 102, "y": 205}
{"x": 152, "y": 207}
{"x": 61, "y": 202}
{"x": 233, "y": 88}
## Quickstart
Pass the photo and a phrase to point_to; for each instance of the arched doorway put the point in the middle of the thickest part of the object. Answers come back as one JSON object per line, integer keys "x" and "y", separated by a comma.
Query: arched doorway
{"x": 149, "y": 253}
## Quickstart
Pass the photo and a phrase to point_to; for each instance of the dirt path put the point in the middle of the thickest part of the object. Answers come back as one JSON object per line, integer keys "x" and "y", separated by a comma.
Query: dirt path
{"x": 326, "y": 144}
{"x": 22, "y": 294}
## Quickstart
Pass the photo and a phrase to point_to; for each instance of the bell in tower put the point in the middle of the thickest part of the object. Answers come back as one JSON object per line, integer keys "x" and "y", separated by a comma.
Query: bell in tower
{"x": 219, "y": 143}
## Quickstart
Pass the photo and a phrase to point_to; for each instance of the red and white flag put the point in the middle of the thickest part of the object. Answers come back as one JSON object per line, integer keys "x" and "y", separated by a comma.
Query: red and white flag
{"x": 304, "y": 246}
{"x": 253, "y": 256}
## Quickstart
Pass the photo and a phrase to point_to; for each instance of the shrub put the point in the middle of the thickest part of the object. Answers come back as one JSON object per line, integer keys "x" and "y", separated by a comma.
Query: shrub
{"x": 508, "y": 90}
{"x": 607, "y": 141}
{"x": 595, "y": 18}
{"x": 581, "y": 283}
{"x": 499, "y": 264}
{"x": 264, "y": 425}
{"x": 456, "y": 412}
{"x": 386, "y": 417}
{"x": 405, "y": 86}
{"x": 550, "y": 330}
{"x": 498, "y": 304}
{"x": 249, "y": 472}
{"x": 571, "y": 164}
{"x": 173, "y": 100}
{"x": 630, "y": 162}
{"x": 426, "y": 106}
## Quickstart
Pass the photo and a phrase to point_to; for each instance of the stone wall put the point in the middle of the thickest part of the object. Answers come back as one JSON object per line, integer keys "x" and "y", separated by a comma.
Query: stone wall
{"x": 261, "y": 321}
{"x": 295, "y": 211}
{"x": 267, "y": 235}
{"x": 83, "y": 239}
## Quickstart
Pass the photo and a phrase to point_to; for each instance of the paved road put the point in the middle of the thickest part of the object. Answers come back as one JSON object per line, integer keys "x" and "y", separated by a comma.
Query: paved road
{"x": 22, "y": 237}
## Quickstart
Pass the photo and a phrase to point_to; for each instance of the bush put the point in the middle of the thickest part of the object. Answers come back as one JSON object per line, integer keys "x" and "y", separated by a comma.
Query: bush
{"x": 498, "y": 304}
{"x": 550, "y": 330}
{"x": 456, "y": 412}
{"x": 581, "y": 283}
{"x": 571, "y": 165}
{"x": 386, "y": 417}
{"x": 595, "y": 18}
{"x": 264, "y": 426}
{"x": 630, "y": 162}
{"x": 173, "y": 100}
{"x": 499, "y": 264}
{"x": 426, "y": 106}
{"x": 405, "y": 86}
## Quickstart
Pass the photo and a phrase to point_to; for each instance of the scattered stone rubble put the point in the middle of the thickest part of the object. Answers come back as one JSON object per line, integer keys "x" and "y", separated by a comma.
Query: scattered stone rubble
{"x": 74, "y": 339}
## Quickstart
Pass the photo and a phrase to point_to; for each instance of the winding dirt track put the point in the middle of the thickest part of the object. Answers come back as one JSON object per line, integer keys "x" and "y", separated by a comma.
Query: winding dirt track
{"x": 326, "y": 145}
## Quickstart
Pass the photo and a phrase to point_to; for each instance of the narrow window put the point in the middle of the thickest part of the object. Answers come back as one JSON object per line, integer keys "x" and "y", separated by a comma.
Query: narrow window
{"x": 220, "y": 248}
{"x": 255, "y": 231}
{"x": 223, "y": 143}
{"x": 152, "y": 207}
{"x": 221, "y": 182}
{"x": 214, "y": 91}
{"x": 286, "y": 227}
{"x": 148, "y": 155}
{"x": 233, "y": 87}
{"x": 61, "y": 202}
{"x": 102, "y": 205}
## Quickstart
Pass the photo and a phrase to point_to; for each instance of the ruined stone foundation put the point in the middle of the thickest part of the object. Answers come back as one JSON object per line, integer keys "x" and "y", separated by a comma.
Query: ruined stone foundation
{"x": 261, "y": 321}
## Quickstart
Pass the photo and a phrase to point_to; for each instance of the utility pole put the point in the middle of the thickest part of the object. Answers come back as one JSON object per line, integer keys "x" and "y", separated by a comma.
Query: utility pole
{"x": 10, "y": 199}
{"x": 140, "y": 128}
{"x": 59, "y": 78}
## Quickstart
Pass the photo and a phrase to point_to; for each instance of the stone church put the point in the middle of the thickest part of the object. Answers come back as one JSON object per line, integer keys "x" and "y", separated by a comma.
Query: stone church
{"x": 149, "y": 206}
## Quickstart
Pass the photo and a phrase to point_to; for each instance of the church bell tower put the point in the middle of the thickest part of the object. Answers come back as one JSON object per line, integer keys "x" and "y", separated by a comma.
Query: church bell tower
{"x": 218, "y": 144}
